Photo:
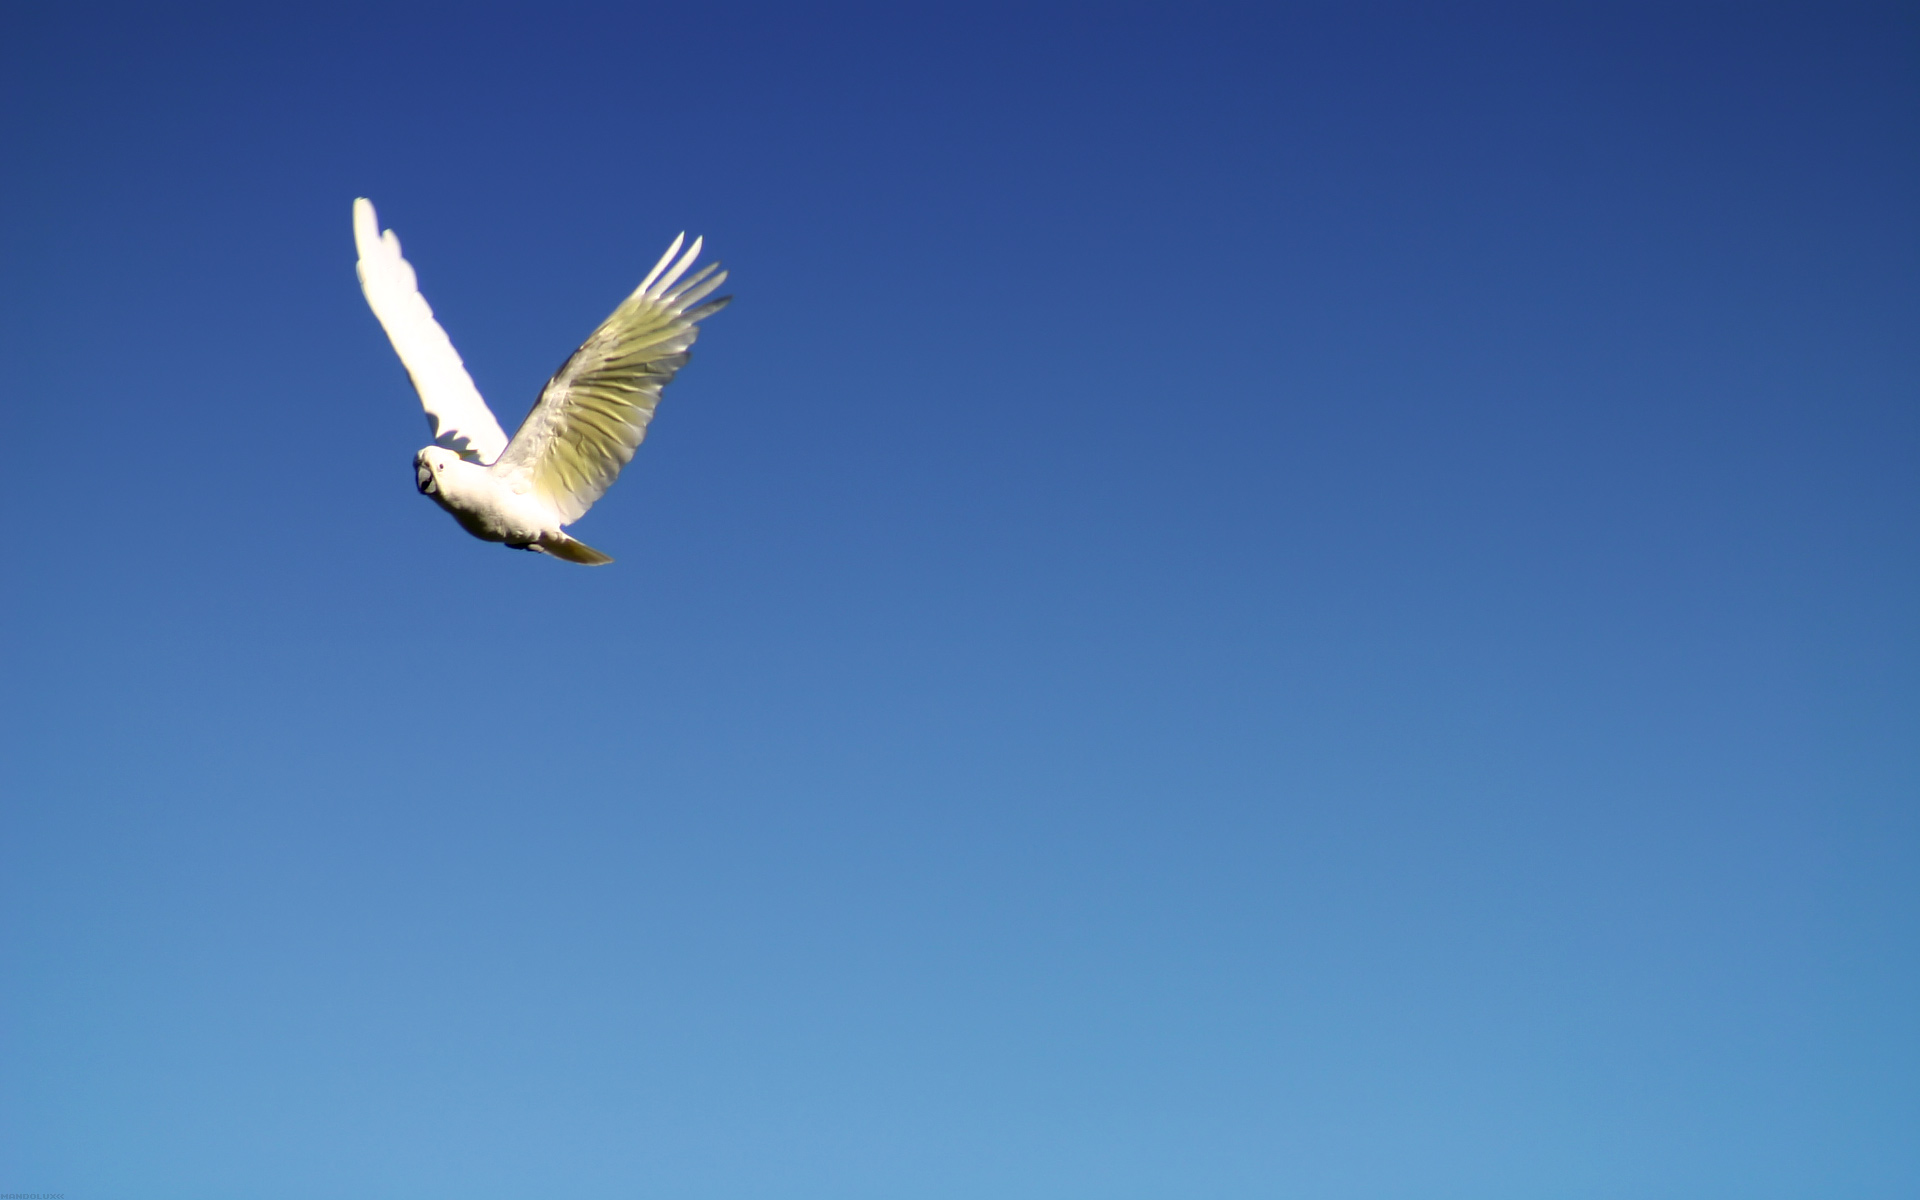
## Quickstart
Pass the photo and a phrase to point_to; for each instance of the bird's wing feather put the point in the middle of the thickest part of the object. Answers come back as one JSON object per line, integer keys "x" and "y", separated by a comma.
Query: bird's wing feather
{"x": 593, "y": 413}
{"x": 459, "y": 418}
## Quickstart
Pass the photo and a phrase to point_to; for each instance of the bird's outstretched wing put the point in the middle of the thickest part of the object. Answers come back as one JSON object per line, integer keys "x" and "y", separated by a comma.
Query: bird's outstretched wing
{"x": 592, "y": 415}
{"x": 458, "y": 417}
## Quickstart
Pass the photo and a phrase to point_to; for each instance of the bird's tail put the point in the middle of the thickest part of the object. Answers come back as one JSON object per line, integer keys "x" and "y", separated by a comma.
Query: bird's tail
{"x": 561, "y": 546}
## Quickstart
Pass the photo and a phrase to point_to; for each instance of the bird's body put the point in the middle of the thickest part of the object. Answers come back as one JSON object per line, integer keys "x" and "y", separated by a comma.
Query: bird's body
{"x": 486, "y": 505}
{"x": 585, "y": 426}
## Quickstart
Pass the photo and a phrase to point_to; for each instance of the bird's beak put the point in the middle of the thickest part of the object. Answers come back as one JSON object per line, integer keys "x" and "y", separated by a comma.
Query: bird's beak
{"x": 423, "y": 478}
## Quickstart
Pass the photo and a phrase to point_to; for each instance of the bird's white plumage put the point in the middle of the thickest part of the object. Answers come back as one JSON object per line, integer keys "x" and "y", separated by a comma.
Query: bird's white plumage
{"x": 593, "y": 413}
{"x": 459, "y": 419}
{"x": 588, "y": 421}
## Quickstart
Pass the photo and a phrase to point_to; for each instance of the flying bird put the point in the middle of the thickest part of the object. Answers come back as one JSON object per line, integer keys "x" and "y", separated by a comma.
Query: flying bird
{"x": 585, "y": 426}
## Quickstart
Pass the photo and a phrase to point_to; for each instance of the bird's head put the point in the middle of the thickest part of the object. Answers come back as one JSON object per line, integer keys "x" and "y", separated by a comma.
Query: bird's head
{"x": 430, "y": 468}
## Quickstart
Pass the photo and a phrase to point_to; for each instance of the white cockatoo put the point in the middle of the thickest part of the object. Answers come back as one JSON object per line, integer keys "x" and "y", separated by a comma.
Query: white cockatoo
{"x": 586, "y": 424}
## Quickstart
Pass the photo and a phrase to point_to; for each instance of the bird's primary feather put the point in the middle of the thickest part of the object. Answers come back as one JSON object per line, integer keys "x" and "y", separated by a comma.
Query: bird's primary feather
{"x": 459, "y": 418}
{"x": 593, "y": 413}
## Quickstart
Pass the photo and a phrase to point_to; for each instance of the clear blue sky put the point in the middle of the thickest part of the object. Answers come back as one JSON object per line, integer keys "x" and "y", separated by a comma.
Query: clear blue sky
{"x": 1247, "y": 603}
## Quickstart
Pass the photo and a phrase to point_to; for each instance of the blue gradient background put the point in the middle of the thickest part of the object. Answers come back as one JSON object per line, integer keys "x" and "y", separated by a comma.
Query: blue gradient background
{"x": 1317, "y": 602}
